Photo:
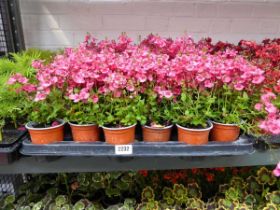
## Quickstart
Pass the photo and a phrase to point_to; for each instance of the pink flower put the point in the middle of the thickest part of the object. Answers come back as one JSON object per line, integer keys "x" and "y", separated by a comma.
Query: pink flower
{"x": 117, "y": 94}
{"x": 11, "y": 81}
{"x": 265, "y": 98}
{"x": 239, "y": 86}
{"x": 78, "y": 78}
{"x": 95, "y": 98}
{"x": 276, "y": 171}
{"x": 55, "y": 123}
{"x": 258, "y": 79}
{"x": 200, "y": 78}
{"x": 142, "y": 78}
{"x": 40, "y": 96}
{"x": 130, "y": 88}
{"x": 167, "y": 94}
{"x": 270, "y": 108}
{"x": 22, "y": 80}
{"x": 226, "y": 79}
{"x": 271, "y": 125}
{"x": 37, "y": 64}
{"x": 21, "y": 128}
{"x": 84, "y": 94}
{"x": 17, "y": 78}
{"x": 29, "y": 88}
{"x": 208, "y": 84}
{"x": 74, "y": 97}
{"x": 258, "y": 106}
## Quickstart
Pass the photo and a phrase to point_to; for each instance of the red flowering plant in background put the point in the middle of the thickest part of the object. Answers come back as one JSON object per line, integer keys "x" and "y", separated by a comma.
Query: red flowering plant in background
{"x": 267, "y": 56}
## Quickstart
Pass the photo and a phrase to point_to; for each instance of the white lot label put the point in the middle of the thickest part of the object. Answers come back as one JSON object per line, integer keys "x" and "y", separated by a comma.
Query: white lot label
{"x": 123, "y": 149}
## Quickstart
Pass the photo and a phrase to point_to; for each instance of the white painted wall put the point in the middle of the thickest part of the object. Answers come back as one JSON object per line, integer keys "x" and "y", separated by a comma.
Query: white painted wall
{"x": 59, "y": 23}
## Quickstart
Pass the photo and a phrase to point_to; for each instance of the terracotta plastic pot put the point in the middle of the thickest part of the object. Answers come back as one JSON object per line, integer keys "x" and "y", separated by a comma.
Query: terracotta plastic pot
{"x": 194, "y": 136}
{"x": 46, "y": 135}
{"x": 85, "y": 133}
{"x": 123, "y": 135}
{"x": 224, "y": 132}
{"x": 152, "y": 134}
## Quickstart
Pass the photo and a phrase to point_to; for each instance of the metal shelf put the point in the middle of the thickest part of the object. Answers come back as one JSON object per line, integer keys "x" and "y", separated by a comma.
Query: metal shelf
{"x": 96, "y": 164}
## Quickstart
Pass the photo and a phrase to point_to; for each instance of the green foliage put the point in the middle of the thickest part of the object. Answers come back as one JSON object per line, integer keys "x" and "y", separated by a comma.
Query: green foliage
{"x": 236, "y": 107}
{"x": 83, "y": 113}
{"x": 150, "y": 205}
{"x": 123, "y": 111}
{"x": 252, "y": 185}
{"x": 147, "y": 194}
{"x": 265, "y": 176}
{"x": 180, "y": 193}
{"x": 194, "y": 190}
{"x": 273, "y": 197}
{"x": 9, "y": 200}
{"x": 167, "y": 193}
{"x": 227, "y": 204}
{"x": 129, "y": 204}
{"x": 21, "y": 62}
{"x": 193, "y": 109}
{"x": 46, "y": 111}
{"x": 250, "y": 200}
{"x": 195, "y": 203}
{"x": 11, "y": 102}
{"x": 270, "y": 206}
{"x": 233, "y": 194}
{"x": 60, "y": 200}
{"x": 88, "y": 191}
{"x": 157, "y": 111}
{"x": 113, "y": 184}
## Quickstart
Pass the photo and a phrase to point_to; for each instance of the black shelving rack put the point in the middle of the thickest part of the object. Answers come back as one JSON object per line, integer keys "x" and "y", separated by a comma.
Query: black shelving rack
{"x": 11, "y": 34}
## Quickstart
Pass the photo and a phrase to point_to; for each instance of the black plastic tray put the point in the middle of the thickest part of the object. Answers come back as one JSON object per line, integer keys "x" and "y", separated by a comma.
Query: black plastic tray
{"x": 15, "y": 136}
{"x": 173, "y": 148}
{"x": 9, "y": 154}
{"x": 273, "y": 139}
{"x": 9, "y": 150}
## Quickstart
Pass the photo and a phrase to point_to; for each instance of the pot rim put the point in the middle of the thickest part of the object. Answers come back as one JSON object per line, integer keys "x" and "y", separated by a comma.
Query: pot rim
{"x": 121, "y": 128}
{"x": 227, "y": 124}
{"x": 196, "y": 129}
{"x": 28, "y": 126}
{"x": 156, "y": 128}
{"x": 81, "y": 125}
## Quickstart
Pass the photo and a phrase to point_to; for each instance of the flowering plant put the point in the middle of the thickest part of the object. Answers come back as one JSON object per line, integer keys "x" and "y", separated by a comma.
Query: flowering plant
{"x": 83, "y": 112}
{"x": 119, "y": 83}
{"x": 265, "y": 56}
{"x": 235, "y": 107}
{"x": 45, "y": 113}
{"x": 120, "y": 111}
{"x": 269, "y": 105}
{"x": 157, "y": 112}
{"x": 11, "y": 98}
{"x": 193, "y": 109}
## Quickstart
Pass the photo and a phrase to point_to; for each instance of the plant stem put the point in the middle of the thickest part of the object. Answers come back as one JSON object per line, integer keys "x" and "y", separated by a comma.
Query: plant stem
{"x": 1, "y": 133}
{"x": 65, "y": 179}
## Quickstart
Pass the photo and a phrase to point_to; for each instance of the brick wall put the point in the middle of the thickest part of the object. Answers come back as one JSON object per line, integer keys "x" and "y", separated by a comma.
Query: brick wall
{"x": 60, "y": 23}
